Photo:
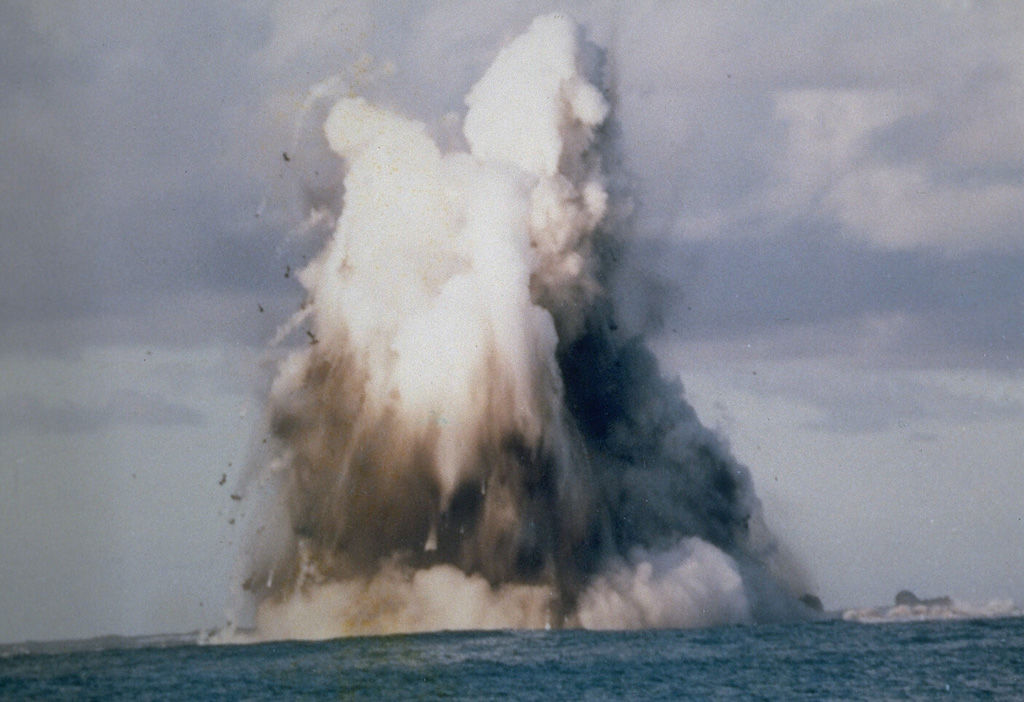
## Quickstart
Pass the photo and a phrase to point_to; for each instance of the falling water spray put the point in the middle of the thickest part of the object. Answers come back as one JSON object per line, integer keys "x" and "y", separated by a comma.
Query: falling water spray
{"x": 470, "y": 440}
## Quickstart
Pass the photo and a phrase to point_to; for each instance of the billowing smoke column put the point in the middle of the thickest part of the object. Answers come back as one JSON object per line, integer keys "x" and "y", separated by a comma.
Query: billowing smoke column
{"x": 470, "y": 441}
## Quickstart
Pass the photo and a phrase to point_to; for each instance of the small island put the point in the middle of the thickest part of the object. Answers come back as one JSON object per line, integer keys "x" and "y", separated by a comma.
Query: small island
{"x": 906, "y": 597}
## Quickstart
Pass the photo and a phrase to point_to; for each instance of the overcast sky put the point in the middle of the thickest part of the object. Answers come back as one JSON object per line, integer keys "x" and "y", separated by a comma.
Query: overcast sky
{"x": 828, "y": 251}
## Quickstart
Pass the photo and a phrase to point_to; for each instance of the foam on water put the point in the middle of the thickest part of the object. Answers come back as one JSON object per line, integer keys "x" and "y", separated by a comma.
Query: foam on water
{"x": 921, "y": 612}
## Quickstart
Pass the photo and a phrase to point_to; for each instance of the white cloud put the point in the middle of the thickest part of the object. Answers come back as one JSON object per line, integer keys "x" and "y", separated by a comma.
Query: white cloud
{"x": 882, "y": 118}
{"x": 831, "y": 166}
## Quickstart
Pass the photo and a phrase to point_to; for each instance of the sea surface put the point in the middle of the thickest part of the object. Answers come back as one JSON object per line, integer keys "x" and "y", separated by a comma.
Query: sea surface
{"x": 979, "y": 659}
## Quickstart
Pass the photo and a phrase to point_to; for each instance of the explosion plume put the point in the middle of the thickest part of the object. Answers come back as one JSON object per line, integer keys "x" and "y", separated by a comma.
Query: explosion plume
{"x": 472, "y": 441}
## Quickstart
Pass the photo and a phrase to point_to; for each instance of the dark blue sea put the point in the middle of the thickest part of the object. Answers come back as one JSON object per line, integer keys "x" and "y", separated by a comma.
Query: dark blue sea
{"x": 829, "y": 660}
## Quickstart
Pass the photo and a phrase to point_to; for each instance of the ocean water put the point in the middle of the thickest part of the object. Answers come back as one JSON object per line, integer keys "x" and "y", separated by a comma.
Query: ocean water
{"x": 827, "y": 660}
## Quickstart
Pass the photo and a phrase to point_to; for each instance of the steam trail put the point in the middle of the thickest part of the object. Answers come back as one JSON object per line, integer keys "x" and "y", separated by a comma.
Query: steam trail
{"x": 471, "y": 442}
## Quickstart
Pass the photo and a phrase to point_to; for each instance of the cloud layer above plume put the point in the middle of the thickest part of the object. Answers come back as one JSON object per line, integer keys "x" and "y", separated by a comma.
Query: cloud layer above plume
{"x": 862, "y": 159}
{"x": 835, "y": 188}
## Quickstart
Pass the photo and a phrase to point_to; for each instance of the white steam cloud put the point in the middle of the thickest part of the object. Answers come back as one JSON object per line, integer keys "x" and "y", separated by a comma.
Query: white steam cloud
{"x": 470, "y": 440}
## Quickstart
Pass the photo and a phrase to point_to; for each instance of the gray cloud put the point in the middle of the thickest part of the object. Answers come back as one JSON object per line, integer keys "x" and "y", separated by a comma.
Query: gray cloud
{"x": 26, "y": 412}
{"x": 930, "y": 308}
{"x": 145, "y": 197}
{"x": 886, "y": 403}
{"x": 116, "y": 190}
